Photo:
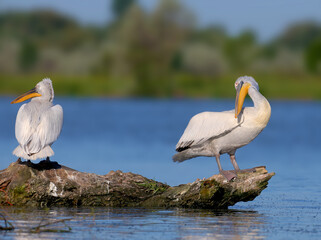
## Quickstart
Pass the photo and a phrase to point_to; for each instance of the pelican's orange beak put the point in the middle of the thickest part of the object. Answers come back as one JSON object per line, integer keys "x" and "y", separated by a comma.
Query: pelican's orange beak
{"x": 30, "y": 94}
{"x": 241, "y": 92}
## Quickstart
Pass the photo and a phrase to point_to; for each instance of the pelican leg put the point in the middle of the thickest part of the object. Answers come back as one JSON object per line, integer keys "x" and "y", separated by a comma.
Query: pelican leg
{"x": 227, "y": 174}
{"x": 236, "y": 166}
{"x": 233, "y": 160}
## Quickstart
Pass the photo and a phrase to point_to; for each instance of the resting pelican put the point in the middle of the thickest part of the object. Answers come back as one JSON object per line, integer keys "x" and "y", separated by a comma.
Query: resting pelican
{"x": 215, "y": 133}
{"x": 38, "y": 123}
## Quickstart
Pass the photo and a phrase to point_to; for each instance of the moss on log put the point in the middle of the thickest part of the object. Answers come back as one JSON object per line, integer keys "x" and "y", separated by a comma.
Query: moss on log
{"x": 51, "y": 184}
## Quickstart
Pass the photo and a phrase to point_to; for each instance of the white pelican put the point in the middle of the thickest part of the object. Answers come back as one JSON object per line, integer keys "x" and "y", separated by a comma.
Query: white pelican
{"x": 215, "y": 133}
{"x": 38, "y": 123}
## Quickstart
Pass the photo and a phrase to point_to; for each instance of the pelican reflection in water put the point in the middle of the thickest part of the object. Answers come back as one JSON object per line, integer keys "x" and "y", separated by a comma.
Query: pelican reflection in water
{"x": 38, "y": 122}
{"x": 215, "y": 133}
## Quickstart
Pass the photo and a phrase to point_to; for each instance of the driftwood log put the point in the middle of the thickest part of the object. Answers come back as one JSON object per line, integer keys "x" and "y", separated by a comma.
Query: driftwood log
{"x": 50, "y": 184}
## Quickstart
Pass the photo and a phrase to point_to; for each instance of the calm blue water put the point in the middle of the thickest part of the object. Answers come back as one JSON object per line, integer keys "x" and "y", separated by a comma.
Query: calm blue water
{"x": 138, "y": 135}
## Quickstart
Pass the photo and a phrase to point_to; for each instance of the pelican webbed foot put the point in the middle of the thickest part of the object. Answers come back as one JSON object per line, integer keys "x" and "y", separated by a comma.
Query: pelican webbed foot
{"x": 229, "y": 175}
{"x": 42, "y": 165}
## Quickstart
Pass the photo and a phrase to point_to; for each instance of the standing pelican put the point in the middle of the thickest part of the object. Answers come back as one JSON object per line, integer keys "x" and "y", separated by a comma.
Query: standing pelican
{"x": 215, "y": 133}
{"x": 38, "y": 123}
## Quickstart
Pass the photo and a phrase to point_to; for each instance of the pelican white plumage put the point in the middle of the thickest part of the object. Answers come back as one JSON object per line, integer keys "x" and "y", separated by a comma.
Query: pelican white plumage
{"x": 38, "y": 123}
{"x": 215, "y": 133}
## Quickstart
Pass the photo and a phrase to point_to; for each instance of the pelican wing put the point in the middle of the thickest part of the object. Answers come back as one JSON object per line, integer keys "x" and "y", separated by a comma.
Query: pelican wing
{"x": 24, "y": 127}
{"x": 35, "y": 134}
{"x": 205, "y": 126}
{"x": 50, "y": 125}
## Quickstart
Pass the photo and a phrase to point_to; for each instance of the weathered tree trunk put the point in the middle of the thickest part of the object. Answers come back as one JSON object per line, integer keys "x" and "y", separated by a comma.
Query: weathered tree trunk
{"x": 50, "y": 184}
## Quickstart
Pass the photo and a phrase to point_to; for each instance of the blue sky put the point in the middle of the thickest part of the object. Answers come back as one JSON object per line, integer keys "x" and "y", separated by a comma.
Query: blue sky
{"x": 266, "y": 18}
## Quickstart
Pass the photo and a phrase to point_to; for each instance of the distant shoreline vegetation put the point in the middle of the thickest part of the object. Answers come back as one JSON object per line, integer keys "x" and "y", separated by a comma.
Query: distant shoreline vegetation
{"x": 159, "y": 53}
{"x": 272, "y": 86}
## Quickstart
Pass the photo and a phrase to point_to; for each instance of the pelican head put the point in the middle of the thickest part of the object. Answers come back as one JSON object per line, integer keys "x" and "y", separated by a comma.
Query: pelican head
{"x": 43, "y": 90}
{"x": 242, "y": 86}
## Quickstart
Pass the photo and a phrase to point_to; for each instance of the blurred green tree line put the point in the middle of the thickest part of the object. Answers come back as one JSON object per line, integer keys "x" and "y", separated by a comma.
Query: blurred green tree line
{"x": 156, "y": 53}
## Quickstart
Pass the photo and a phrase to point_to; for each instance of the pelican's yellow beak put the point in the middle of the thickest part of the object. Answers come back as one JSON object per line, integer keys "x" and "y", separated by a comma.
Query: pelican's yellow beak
{"x": 241, "y": 92}
{"x": 30, "y": 94}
